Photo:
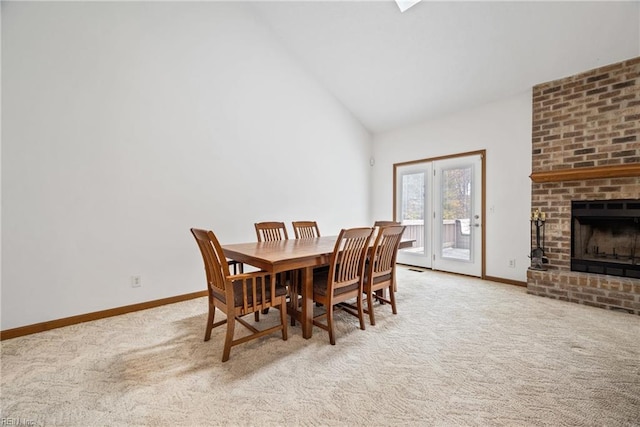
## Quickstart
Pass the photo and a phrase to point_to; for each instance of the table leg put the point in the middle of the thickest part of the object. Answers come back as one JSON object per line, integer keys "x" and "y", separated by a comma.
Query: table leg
{"x": 307, "y": 302}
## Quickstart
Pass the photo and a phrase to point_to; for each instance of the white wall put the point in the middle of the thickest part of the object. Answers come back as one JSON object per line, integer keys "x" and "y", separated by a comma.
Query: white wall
{"x": 125, "y": 124}
{"x": 504, "y": 130}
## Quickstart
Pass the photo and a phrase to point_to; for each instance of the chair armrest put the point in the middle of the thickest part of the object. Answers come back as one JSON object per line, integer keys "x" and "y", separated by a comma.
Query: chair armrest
{"x": 243, "y": 276}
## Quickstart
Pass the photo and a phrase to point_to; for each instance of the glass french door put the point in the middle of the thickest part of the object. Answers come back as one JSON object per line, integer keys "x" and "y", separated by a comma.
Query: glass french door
{"x": 413, "y": 208}
{"x": 440, "y": 203}
{"x": 457, "y": 236}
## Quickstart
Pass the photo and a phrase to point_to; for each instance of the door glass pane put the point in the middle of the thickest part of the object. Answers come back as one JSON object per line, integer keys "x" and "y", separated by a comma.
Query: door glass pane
{"x": 456, "y": 213}
{"x": 412, "y": 209}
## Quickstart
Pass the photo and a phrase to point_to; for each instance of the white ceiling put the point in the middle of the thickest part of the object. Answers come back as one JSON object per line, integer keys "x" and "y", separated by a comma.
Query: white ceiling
{"x": 392, "y": 69}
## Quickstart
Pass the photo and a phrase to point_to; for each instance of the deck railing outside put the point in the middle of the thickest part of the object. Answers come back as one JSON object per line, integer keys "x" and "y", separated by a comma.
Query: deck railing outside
{"x": 455, "y": 233}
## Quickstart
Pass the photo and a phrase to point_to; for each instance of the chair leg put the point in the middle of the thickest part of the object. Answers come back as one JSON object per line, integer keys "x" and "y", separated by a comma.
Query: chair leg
{"x": 283, "y": 318}
{"x": 392, "y": 297}
{"x": 372, "y": 317}
{"x": 360, "y": 312}
{"x": 332, "y": 338}
{"x": 209, "y": 327}
{"x": 256, "y": 316}
{"x": 293, "y": 298}
{"x": 228, "y": 340}
{"x": 294, "y": 309}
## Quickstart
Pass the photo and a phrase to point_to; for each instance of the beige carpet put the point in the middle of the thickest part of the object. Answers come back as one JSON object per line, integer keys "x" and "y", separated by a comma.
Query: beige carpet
{"x": 461, "y": 351}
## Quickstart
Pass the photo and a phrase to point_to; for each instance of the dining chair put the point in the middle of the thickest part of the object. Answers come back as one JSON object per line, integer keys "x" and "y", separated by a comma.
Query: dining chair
{"x": 306, "y": 229}
{"x": 380, "y": 273}
{"x": 302, "y": 230}
{"x": 271, "y": 230}
{"x": 344, "y": 279}
{"x": 381, "y": 224}
{"x": 237, "y": 295}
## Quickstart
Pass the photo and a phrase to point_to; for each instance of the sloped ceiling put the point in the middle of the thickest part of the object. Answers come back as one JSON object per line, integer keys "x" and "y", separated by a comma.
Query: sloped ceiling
{"x": 391, "y": 69}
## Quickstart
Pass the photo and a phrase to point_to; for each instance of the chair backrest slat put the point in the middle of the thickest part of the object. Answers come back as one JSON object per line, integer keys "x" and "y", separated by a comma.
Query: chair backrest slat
{"x": 215, "y": 263}
{"x": 270, "y": 231}
{"x": 385, "y": 250}
{"x": 306, "y": 229}
{"x": 347, "y": 260}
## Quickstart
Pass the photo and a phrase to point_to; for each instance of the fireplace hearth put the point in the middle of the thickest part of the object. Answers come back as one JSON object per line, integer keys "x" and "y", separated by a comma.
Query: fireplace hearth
{"x": 605, "y": 237}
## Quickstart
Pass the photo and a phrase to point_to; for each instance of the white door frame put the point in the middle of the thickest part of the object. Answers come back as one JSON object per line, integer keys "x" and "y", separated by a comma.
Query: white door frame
{"x": 480, "y": 230}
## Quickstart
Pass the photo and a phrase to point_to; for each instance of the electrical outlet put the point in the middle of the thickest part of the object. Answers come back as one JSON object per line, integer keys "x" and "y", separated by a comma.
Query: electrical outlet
{"x": 512, "y": 263}
{"x": 136, "y": 281}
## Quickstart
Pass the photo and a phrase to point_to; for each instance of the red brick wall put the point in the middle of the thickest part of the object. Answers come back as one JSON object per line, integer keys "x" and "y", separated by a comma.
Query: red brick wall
{"x": 591, "y": 119}
{"x": 588, "y": 120}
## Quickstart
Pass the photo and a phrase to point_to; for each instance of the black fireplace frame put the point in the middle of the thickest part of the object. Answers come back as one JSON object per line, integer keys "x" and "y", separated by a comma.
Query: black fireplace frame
{"x": 599, "y": 211}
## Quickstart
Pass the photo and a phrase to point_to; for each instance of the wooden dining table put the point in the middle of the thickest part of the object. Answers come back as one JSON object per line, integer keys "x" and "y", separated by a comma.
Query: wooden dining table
{"x": 291, "y": 254}
{"x": 286, "y": 255}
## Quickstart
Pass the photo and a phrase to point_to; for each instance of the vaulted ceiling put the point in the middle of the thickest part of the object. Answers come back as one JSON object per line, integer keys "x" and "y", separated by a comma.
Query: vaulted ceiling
{"x": 391, "y": 69}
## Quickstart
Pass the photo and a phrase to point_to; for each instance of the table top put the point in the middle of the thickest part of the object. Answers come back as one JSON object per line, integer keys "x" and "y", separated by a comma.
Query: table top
{"x": 283, "y": 255}
{"x": 289, "y": 254}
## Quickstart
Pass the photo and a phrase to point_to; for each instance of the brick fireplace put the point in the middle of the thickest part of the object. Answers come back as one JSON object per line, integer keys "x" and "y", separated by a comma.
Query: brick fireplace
{"x": 586, "y": 147}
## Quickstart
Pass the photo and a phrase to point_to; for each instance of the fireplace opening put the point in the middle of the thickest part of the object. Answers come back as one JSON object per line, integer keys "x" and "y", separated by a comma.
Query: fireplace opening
{"x": 605, "y": 237}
